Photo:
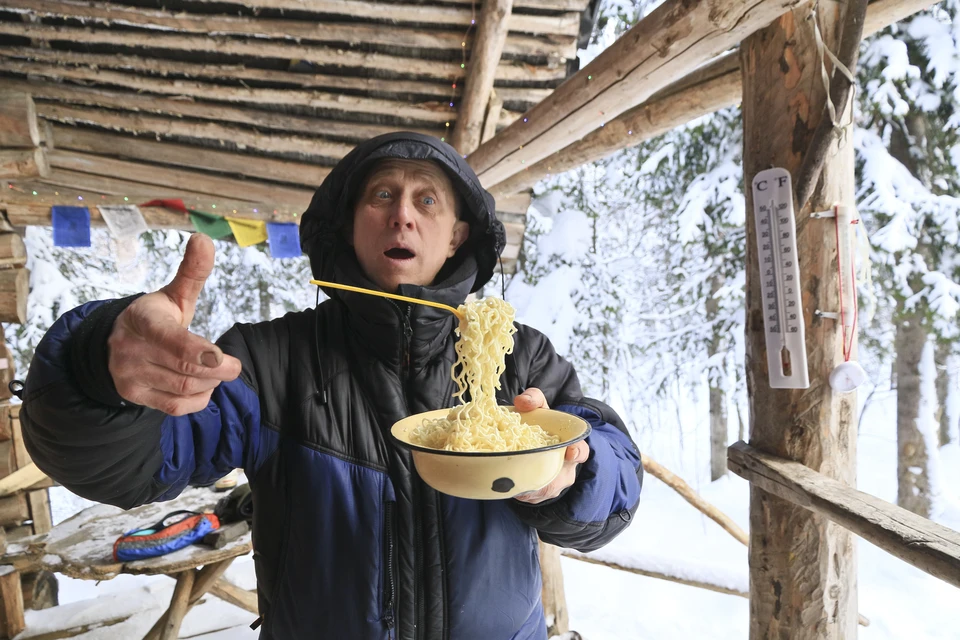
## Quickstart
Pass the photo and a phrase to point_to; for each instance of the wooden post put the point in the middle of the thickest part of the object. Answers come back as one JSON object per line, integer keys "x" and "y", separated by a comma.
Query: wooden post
{"x": 179, "y": 605}
{"x": 802, "y": 568}
{"x": 484, "y": 59}
{"x": 11, "y": 603}
{"x": 14, "y": 286}
{"x": 554, "y": 599}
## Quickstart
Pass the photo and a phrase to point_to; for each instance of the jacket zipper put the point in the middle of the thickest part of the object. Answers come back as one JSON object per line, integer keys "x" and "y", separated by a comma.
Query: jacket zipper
{"x": 417, "y": 524}
{"x": 391, "y": 586}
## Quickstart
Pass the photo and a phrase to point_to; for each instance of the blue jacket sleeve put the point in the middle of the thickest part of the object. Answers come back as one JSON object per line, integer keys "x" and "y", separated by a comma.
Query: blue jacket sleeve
{"x": 605, "y": 497}
{"x": 80, "y": 432}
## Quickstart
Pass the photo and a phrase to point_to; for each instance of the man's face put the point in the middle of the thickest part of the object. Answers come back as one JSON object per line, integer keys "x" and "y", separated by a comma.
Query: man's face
{"x": 405, "y": 223}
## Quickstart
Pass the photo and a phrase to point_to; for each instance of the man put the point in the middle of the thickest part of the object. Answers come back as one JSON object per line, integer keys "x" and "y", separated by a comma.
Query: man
{"x": 123, "y": 405}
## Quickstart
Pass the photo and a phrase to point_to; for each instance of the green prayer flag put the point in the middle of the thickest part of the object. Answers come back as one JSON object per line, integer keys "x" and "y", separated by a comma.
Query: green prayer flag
{"x": 213, "y": 226}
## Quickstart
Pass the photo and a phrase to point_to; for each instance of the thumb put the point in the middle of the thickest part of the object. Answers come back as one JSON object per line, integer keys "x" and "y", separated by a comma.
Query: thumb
{"x": 194, "y": 270}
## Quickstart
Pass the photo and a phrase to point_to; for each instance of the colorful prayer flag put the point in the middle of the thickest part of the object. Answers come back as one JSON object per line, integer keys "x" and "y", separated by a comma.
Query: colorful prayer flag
{"x": 71, "y": 226}
{"x": 284, "y": 239}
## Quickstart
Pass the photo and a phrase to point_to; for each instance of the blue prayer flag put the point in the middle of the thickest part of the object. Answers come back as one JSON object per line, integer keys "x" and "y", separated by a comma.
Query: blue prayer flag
{"x": 284, "y": 239}
{"x": 71, "y": 226}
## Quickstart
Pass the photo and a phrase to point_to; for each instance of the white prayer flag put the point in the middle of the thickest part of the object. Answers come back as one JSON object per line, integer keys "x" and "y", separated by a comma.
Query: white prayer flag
{"x": 124, "y": 220}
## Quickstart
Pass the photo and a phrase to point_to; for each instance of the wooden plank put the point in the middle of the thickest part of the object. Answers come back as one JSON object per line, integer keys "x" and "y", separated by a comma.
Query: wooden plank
{"x": 137, "y": 148}
{"x": 23, "y": 163}
{"x": 327, "y": 57}
{"x": 18, "y": 121}
{"x": 405, "y": 90}
{"x": 13, "y": 511}
{"x": 712, "y": 87}
{"x": 8, "y": 366}
{"x": 171, "y": 178}
{"x": 566, "y": 23}
{"x": 40, "y": 511}
{"x": 802, "y": 567}
{"x": 3, "y": 541}
{"x": 260, "y": 118}
{"x": 11, "y": 603}
{"x": 22, "y": 478}
{"x": 484, "y": 58}
{"x": 202, "y": 582}
{"x": 14, "y": 287}
{"x": 558, "y": 48}
{"x": 91, "y": 186}
{"x": 16, "y": 436}
{"x": 266, "y": 142}
{"x": 236, "y": 596}
{"x": 417, "y": 115}
{"x": 929, "y": 546}
{"x": 13, "y": 253}
{"x": 6, "y": 432}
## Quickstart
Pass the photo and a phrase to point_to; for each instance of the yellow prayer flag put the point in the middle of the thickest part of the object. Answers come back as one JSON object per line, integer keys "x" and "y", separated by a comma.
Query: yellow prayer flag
{"x": 248, "y": 232}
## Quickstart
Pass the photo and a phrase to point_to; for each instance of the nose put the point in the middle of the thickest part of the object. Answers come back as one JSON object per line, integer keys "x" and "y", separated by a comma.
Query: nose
{"x": 402, "y": 215}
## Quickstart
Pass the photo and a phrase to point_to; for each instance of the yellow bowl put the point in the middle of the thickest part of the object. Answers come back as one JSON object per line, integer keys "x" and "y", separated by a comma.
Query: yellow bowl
{"x": 493, "y": 476}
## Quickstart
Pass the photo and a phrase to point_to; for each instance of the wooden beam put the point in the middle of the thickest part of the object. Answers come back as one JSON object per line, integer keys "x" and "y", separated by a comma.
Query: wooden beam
{"x": 709, "y": 89}
{"x": 484, "y": 58}
{"x": 657, "y": 572}
{"x": 138, "y": 148}
{"x": 324, "y": 56}
{"x": 802, "y": 568}
{"x": 8, "y": 460}
{"x": 23, "y": 163}
{"x": 929, "y": 546}
{"x": 178, "y": 605}
{"x": 171, "y": 178}
{"x": 13, "y": 253}
{"x": 516, "y": 203}
{"x": 14, "y": 287}
{"x": 669, "y": 43}
{"x": 557, "y": 48}
{"x": 566, "y": 23}
{"x": 259, "y": 118}
{"x": 714, "y": 86}
{"x": 37, "y": 212}
{"x": 20, "y": 479}
{"x": 11, "y": 603}
{"x": 92, "y": 188}
{"x": 404, "y": 90}
{"x": 236, "y": 596}
{"x": 18, "y": 121}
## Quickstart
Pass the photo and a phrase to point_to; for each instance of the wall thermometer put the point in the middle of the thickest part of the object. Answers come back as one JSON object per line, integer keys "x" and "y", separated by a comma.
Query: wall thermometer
{"x": 780, "y": 279}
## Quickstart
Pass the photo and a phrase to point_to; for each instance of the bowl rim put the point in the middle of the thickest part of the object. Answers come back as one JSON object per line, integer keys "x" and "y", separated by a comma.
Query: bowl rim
{"x": 495, "y": 454}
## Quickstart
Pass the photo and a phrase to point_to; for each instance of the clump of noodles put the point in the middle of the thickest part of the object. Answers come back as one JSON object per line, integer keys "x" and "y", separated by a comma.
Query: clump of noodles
{"x": 486, "y": 337}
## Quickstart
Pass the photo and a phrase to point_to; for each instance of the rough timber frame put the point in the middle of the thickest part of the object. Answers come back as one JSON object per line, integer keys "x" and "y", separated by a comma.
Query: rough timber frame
{"x": 628, "y": 94}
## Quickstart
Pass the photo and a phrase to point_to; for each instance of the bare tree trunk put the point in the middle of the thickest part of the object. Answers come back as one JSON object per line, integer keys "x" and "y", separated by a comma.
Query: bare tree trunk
{"x": 264, "y": 299}
{"x": 718, "y": 399}
{"x": 912, "y": 481}
{"x": 943, "y": 390}
{"x": 554, "y": 600}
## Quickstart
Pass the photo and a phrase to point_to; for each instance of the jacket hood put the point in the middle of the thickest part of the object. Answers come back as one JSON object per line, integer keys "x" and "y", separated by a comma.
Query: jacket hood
{"x": 331, "y": 209}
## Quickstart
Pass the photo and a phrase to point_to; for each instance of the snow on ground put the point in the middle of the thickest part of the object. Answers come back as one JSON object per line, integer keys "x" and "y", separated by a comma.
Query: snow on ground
{"x": 901, "y": 602}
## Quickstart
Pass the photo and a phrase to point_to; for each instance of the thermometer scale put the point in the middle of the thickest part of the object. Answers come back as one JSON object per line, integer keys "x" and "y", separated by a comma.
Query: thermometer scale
{"x": 780, "y": 279}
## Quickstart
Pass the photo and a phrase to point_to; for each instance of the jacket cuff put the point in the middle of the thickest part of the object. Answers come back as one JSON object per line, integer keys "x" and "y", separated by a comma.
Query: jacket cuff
{"x": 89, "y": 356}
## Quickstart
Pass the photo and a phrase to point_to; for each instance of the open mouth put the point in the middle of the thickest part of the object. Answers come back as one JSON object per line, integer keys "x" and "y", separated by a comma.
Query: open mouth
{"x": 399, "y": 253}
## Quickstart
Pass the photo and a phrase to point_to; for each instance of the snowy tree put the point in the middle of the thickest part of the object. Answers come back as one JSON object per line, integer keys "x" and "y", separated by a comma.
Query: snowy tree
{"x": 907, "y": 159}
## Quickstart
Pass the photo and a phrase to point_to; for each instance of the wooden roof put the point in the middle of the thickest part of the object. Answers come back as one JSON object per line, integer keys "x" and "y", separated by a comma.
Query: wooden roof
{"x": 251, "y": 101}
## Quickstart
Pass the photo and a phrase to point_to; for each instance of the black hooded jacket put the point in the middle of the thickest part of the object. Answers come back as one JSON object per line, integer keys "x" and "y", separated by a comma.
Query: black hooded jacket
{"x": 349, "y": 542}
